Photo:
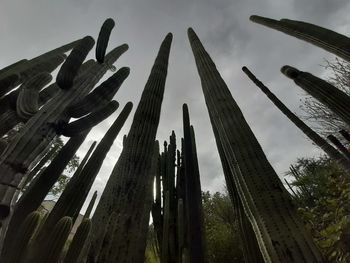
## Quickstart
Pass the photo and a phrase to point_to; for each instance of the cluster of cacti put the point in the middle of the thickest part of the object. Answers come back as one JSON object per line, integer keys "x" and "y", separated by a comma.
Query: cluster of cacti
{"x": 269, "y": 226}
{"x": 178, "y": 217}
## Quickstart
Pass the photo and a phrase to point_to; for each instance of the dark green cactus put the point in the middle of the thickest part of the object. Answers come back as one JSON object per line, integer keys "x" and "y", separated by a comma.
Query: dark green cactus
{"x": 87, "y": 122}
{"x": 52, "y": 248}
{"x": 78, "y": 241}
{"x": 103, "y": 38}
{"x": 339, "y": 145}
{"x": 317, "y": 139}
{"x": 38, "y": 189}
{"x": 335, "y": 99}
{"x": 329, "y": 40}
{"x": 91, "y": 205}
{"x": 70, "y": 67}
{"x": 12, "y": 66}
{"x": 280, "y": 233}
{"x": 74, "y": 195}
{"x": 194, "y": 210}
{"x": 132, "y": 170}
{"x": 40, "y": 130}
{"x": 100, "y": 95}
{"x": 24, "y": 234}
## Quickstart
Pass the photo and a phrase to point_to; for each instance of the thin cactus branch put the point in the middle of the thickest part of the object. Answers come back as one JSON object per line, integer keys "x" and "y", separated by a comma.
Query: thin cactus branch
{"x": 103, "y": 38}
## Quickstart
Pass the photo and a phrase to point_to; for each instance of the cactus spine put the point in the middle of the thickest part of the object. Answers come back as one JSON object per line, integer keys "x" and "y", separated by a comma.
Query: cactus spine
{"x": 280, "y": 233}
{"x": 335, "y": 99}
{"x": 78, "y": 241}
{"x": 125, "y": 190}
{"x": 329, "y": 40}
{"x": 317, "y": 139}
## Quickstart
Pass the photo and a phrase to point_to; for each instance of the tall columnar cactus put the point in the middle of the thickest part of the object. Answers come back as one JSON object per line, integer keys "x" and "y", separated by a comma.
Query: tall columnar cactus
{"x": 78, "y": 241}
{"x": 51, "y": 249}
{"x": 329, "y": 40}
{"x": 74, "y": 195}
{"x": 39, "y": 188}
{"x": 42, "y": 128}
{"x": 125, "y": 190}
{"x": 8, "y": 83}
{"x": 317, "y": 139}
{"x": 91, "y": 205}
{"x": 280, "y": 233}
{"x": 194, "y": 208}
{"x": 339, "y": 145}
{"x": 335, "y": 99}
{"x": 25, "y": 232}
{"x": 103, "y": 38}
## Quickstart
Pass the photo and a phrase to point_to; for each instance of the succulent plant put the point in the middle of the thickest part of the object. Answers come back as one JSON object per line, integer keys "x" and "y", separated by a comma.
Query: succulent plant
{"x": 103, "y": 38}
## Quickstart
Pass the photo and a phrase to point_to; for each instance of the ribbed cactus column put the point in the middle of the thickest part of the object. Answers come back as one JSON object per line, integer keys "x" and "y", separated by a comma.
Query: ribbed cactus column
{"x": 126, "y": 188}
{"x": 91, "y": 205}
{"x": 335, "y": 99}
{"x": 41, "y": 129}
{"x": 317, "y": 139}
{"x": 339, "y": 145}
{"x": 194, "y": 210}
{"x": 329, "y": 40}
{"x": 280, "y": 233}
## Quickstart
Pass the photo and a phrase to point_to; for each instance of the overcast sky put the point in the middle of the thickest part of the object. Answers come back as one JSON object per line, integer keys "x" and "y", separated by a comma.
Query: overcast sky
{"x": 31, "y": 27}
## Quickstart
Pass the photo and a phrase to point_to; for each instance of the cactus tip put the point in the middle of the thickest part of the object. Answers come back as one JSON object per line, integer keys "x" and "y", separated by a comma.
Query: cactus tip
{"x": 290, "y": 72}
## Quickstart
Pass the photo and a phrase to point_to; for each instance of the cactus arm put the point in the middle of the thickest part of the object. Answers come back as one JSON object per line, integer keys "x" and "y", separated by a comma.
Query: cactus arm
{"x": 100, "y": 95}
{"x": 48, "y": 93}
{"x": 103, "y": 38}
{"x": 329, "y": 40}
{"x": 316, "y": 138}
{"x": 11, "y": 67}
{"x": 70, "y": 67}
{"x": 88, "y": 121}
{"x": 28, "y": 97}
{"x": 345, "y": 134}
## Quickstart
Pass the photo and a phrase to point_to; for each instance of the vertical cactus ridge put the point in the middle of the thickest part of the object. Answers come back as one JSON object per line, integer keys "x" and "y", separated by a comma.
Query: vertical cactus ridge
{"x": 70, "y": 67}
{"x": 339, "y": 146}
{"x": 335, "y": 99}
{"x": 78, "y": 241}
{"x": 133, "y": 167}
{"x": 329, "y": 40}
{"x": 311, "y": 134}
{"x": 52, "y": 248}
{"x": 196, "y": 242}
{"x": 25, "y": 232}
{"x": 74, "y": 195}
{"x": 87, "y": 122}
{"x": 280, "y": 233}
{"x": 40, "y": 130}
{"x": 8, "y": 83}
{"x": 28, "y": 98}
{"x": 103, "y": 38}
{"x": 345, "y": 134}
{"x": 91, "y": 205}
{"x": 38, "y": 188}
{"x": 100, "y": 95}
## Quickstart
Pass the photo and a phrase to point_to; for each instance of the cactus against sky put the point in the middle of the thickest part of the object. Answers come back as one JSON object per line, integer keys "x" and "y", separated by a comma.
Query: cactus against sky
{"x": 280, "y": 233}
{"x": 317, "y": 139}
{"x": 103, "y": 38}
{"x": 126, "y": 188}
{"x": 91, "y": 205}
{"x": 329, "y": 40}
{"x": 336, "y": 100}
{"x": 34, "y": 138}
{"x": 339, "y": 145}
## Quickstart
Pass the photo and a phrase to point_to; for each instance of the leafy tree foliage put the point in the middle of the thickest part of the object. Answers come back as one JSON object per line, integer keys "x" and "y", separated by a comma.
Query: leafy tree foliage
{"x": 322, "y": 194}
